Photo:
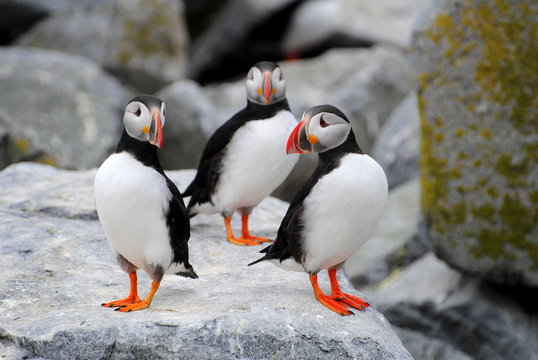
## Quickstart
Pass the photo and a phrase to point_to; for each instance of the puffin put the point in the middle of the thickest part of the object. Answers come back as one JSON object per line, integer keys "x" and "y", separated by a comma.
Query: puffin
{"x": 335, "y": 211}
{"x": 243, "y": 161}
{"x": 140, "y": 208}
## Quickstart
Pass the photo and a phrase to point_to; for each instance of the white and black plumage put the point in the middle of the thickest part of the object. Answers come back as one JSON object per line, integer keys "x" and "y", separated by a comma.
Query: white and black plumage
{"x": 244, "y": 160}
{"x": 336, "y": 210}
{"x": 140, "y": 208}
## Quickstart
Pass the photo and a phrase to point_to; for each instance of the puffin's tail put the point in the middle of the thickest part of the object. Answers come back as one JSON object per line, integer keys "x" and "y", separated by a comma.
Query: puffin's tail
{"x": 189, "y": 273}
{"x": 265, "y": 257}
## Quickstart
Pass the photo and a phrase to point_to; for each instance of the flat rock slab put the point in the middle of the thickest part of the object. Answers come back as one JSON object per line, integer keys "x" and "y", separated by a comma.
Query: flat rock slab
{"x": 58, "y": 268}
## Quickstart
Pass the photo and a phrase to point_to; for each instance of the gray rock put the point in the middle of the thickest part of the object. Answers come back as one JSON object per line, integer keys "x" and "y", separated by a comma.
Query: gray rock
{"x": 388, "y": 21}
{"x": 65, "y": 106}
{"x": 143, "y": 42}
{"x": 16, "y": 146}
{"x": 61, "y": 269}
{"x": 190, "y": 121}
{"x": 380, "y": 255}
{"x": 478, "y": 111}
{"x": 397, "y": 147}
{"x": 423, "y": 347}
{"x": 459, "y": 314}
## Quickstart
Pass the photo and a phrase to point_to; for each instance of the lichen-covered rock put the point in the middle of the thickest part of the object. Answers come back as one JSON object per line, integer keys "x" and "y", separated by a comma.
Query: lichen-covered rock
{"x": 190, "y": 121}
{"x": 59, "y": 105}
{"x": 477, "y": 65}
{"x": 57, "y": 268}
{"x": 143, "y": 42}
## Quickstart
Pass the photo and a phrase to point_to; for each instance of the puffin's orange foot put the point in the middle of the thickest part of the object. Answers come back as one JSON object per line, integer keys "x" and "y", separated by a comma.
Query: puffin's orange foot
{"x": 351, "y": 300}
{"x": 122, "y": 302}
{"x": 260, "y": 240}
{"x": 243, "y": 241}
{"x": 139, "y": 305}
{"x": 334, "y": 305}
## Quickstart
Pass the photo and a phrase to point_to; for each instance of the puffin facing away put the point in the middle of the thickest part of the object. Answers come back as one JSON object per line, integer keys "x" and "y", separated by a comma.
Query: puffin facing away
{"x": 140, "y": 208}
{"x": 335, "y": 211}
{"x": 243, "y": 161}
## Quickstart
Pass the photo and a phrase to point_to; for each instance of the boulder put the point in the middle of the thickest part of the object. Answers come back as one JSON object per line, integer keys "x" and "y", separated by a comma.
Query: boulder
{"x": 190, "y": 121}
{"x": 389, "y": 21}
{"x": 142, "y": 42}
{"x": 58, "y": 268}
{"x": 478, "y": 105}
{"x": 397, "y": 147}
{"x": 438, "y": 308}
{"x": 16, "y": 146}
{"x": 60, "y": 105}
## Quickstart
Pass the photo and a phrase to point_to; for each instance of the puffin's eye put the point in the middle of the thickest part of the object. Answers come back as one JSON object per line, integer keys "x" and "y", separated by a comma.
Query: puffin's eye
{"x": 138, "y": 112}
{"x": 164, "y": 110}
{"x": 323, "y": 123}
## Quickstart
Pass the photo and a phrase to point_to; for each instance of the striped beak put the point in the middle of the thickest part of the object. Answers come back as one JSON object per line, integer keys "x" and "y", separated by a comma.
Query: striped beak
{"x": 298, "y": 140}
{"x": 156, "y": 129}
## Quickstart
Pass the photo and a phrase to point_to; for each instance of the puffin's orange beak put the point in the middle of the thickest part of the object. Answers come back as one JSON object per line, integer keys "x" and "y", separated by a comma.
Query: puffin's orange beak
{"x": 267, "y": 88}
{"x": 156, "y": 129}
{"x": 298, "y": 140}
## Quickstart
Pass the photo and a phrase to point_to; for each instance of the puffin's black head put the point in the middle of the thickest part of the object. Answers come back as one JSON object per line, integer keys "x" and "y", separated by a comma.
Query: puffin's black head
{"x": 322, "y": 128}
{"x": 265, "y": 84}
{"x": 144, "y": 119}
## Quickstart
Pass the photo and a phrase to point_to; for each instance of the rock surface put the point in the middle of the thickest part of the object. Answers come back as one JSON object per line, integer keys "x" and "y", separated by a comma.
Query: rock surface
{"x": 441, "y": 313}
{"x": 61, "y": 269}
{"x": 143, "y": 42}
{"x": 478, "y": 105}
{"x": 60, "y": 104}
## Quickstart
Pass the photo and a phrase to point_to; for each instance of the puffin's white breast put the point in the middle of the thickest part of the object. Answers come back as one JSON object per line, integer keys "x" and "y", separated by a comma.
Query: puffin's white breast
{"x": 255, "y": 162}
{"x": 131, "y": 201}
{"x": 342, "y": 210}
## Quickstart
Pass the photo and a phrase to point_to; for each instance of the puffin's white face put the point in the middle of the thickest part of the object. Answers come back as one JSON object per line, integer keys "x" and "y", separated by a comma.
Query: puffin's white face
{"x": 145, "y": 122}
{"x": 321, "y": 129}
{"x": 265, "y": 84}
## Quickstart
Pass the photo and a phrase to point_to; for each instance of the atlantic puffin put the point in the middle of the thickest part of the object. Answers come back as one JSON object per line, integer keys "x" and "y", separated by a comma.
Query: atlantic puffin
{"x": 336, "y": 210}
{"x": 243, "y": 161}
{"x": 141, "y": 210}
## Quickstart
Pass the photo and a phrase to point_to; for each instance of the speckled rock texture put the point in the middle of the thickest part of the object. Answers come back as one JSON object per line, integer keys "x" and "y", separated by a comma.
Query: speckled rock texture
{"x": 58, "y": 268}
{"x": 477, "y": 66}
{"x": 60, "y": 109}
{"x": 143, "y": 42}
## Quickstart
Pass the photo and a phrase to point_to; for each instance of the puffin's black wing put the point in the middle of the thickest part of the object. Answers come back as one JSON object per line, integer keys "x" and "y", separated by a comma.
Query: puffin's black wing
{"x": 179, "y": 229}
{"x": 208, "y": 172}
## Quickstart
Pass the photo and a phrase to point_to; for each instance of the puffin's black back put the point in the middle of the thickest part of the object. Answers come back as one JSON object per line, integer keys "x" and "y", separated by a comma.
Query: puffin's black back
{"x": 288, "y": 243}
{"x": 209, "y": 168}
{"x": 177, "y": 218}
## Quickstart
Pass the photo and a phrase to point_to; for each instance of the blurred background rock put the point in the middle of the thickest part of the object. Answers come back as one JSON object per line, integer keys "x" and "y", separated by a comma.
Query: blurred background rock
{"x": 442, "y": 93}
